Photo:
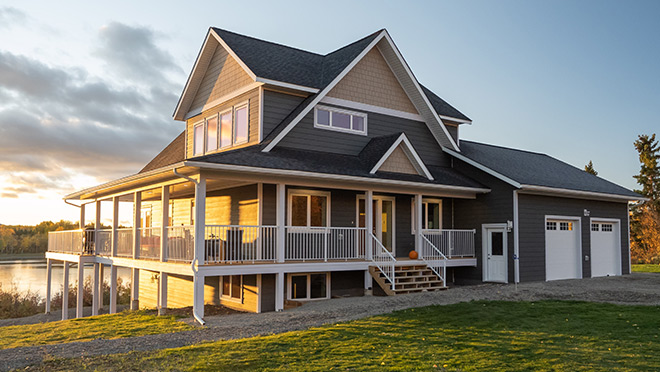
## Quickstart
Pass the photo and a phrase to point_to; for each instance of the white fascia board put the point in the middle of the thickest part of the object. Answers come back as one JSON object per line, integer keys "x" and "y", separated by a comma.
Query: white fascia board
{"x": 482, "y": 167}
{"x": 328, "y": 176}
{"x": 287, "y": 85}
{"x": 322, "y": 94}
{"x": 462, "y": 121}
{"x": 410, "y": 152}
{"x": 577, "y": 194}
{"x": 419, "y": 89}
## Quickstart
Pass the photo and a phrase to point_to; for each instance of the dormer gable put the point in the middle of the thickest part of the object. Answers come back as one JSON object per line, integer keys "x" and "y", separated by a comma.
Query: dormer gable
{"x": 400, "y": 157}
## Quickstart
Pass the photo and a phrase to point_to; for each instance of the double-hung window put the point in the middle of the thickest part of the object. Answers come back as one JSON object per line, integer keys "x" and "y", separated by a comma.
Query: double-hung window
{"x": 431, "y": 214}
{"x": 232, "y": 286}
{"x": 340, "y": 120}
{"x": 223, "y": 130}
{"x": 309, "y": 208}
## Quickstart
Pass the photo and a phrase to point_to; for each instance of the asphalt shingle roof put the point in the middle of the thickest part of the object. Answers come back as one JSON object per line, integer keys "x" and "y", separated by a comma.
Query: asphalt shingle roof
{"x": 173, "y": 153}
{"x": 530, "y": 168}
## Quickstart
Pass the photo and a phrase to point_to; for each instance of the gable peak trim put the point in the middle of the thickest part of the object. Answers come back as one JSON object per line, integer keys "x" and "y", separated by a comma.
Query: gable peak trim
{"x": 410, "y": 152}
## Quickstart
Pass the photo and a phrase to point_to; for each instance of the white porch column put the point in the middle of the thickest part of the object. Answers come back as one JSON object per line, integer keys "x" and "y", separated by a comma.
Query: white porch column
{"x": 369, "y": 222}
{"x": 418, "y": 223}
{"x": 198, "y": 295}
{"x": 99, "y": 304}
{"x": 65, "y": 293}
{"x": 97, "y": 225}
{"x": 49, "y": 282}
{"x": 79, "y": 297}
{"x": 279, "y": 291}
{"x": 367, "y": 283}
{"x": 135, "y": 289}
{"x": 113, "y": 289}
{"x": 114, "y": 237}
{"x": 82, "y": 216}
{"x": 280, "y": 219}
{"x": 162, "y": 293}
{"x": 95, "y": 290}
{"x": 200, "y": 219}
{"x": 137, "y": 210}
{"x": 165, "y": 198}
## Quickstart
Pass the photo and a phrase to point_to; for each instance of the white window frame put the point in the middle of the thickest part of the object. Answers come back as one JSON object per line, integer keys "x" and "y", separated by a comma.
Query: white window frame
{"x": 206, "y": 133}
{"x": 425, "y": 205}
{"x": 308, "y": 193}
{"x": 235, "y": 108}
{"x": 289, "y": 290}
{"x": 230, "y": 298}
{"x": 231, "y": 140}
{"x": 341, "y": 111}
{"x": 218, "y": 116}
{"x": 202, "y": 124}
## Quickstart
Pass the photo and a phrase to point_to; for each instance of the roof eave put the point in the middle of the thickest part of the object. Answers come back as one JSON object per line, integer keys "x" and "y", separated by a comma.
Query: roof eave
{"x": 578, "y": 194}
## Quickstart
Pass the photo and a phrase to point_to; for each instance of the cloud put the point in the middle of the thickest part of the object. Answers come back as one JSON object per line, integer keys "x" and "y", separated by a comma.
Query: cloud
{"x": 8, "y": 195}
{"x": 59, "y": 122}
{"x": 10, "y": 16}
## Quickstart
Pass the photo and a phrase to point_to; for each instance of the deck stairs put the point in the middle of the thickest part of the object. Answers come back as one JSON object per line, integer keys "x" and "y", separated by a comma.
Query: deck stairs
{"x": 408, "y": 279}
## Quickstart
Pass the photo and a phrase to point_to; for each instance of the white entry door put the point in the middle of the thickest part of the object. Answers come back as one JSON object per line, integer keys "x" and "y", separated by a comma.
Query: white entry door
{"x": 495, "y": 253}
{"x": 605, "y": 248}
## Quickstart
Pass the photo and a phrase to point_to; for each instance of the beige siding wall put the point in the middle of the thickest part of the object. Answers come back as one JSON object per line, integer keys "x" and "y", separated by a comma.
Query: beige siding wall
{"x": 253, "y": 118}
{"x": 181, "y": 211}
{"x": 398, "y": 162}
{"x": 371, "y": 81}
{"x": 235, "y": 206}
{"x": 223, "y": 76}
{"x": 179, "y": 290}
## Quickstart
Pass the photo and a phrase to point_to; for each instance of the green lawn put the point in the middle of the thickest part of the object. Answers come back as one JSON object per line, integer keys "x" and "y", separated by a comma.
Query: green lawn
{"x": 646, "y": 268}
{"x": 475, "y": 336}
{"x": 126, "y": 324}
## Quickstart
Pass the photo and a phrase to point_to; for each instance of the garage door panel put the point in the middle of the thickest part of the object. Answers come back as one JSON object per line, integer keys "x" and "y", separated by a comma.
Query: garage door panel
{"x": 605, "y": 249}
{"x": 562, "y": 250}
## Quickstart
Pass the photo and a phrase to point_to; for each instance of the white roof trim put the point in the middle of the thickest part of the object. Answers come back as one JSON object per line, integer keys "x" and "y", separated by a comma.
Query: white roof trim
{"x": 555, "y": 191}
{"x": 410, "y": 153}
{"x": 322, "y": 94}
{"x": 287, "y": 85}
{"x": 462, "y": 121}
{"x": 482, "y": 167}
{"x": 192, "y": 73}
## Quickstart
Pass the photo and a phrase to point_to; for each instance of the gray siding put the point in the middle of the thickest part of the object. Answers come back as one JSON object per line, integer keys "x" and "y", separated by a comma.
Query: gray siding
{"x": 305, "y": 136}
{"x": 269, "y": 208}
{"x": 405, "y": 240}
{"x": 493, "y": 207}
{"x": 346, "y": 283}
{"x": 453, "y": 132}
{"x": 277, "y": 106}
{"x": 267, "y": 292}
{"x": 534, "y": 208}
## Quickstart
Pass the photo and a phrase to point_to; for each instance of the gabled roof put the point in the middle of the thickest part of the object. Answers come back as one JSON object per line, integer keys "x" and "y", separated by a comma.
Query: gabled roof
{"x": 408, "y": 150}
{"x": 172, "y": 153}
{"x": 531, "y": 170}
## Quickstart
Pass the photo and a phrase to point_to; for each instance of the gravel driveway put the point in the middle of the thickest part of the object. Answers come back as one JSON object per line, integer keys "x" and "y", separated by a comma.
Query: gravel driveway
{"x": 635, "y": 289}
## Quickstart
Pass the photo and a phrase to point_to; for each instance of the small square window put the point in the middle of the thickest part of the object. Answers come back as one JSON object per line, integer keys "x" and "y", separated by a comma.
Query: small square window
{"x": 322, "y": 117}
{"x": 551, "y": 225}
{"x": 607, "y": 227}
{"x": 595, "y": 227}
{"x": 341, "y": 120}
{"x": 566, "y": 226}
{"x": 358, "y": 123}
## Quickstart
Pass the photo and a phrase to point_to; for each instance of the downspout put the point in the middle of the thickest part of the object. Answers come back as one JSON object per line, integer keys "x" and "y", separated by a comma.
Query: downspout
{"x": 516, "y": 240}
{"x": 195, "y": 260}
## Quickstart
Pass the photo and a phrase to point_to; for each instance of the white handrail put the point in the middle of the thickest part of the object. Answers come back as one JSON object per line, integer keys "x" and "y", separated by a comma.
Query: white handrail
{"x": 431, "y": 255}
{"x": 383, "y": 259}
{"x": 315, "y": 243}
{"x": 451, "y": 242}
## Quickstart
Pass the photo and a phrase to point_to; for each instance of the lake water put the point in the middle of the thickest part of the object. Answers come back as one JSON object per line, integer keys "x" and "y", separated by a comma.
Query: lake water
{"x": 30, "y": 274}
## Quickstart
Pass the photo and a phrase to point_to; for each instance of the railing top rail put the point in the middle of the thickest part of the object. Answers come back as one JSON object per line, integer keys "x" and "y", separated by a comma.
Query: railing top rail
{"x": 124, "y": 229}
{"x": 238, "y": 226}
{"x": 65, "y": 231}
{"x": 182, "y": 226}
{"x": 326, "y": 228}
{"x": 104, "y": 230}
{"x": 447, "y": 230}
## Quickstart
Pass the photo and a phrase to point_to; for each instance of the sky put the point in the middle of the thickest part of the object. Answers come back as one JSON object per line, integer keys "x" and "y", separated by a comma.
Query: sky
{"x": 87, "y": 89}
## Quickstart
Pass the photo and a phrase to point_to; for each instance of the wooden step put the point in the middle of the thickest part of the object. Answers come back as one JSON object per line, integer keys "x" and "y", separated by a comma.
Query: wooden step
{"x": 408, "y": 279}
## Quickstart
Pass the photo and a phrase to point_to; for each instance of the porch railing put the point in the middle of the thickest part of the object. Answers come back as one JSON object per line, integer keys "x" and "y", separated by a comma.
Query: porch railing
{"x": 149, "y": 243}
{"x": 66, "y": 241}
{"x": 383, "y": 259}
{"x": 104, "y": 242}
{"x": 434, "y": 259}
{"x": 125, "y": 242}
{"x": 304, "y": 243}
{"x": 180, "y": 243}
{"x": 452, "y": 243}
{"x": 239, "y": 243}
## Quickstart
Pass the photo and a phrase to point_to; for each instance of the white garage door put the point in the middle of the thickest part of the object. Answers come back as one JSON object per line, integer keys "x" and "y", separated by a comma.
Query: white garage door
{"x": 562, "y": 249}
{"x": 605, "y": 248}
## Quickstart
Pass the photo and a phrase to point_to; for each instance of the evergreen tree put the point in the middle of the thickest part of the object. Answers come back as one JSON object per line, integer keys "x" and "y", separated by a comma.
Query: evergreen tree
{"x": 589, "y": 168}
{"x": 644, "y": 225}
{"x": 649, "y": 174}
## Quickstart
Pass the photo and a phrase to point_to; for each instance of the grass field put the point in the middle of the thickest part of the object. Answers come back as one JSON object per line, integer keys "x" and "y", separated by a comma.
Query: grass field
{"x": 475, "y": 336}
{"x": 646, "y": 268}
{"x": 126, "y": 324}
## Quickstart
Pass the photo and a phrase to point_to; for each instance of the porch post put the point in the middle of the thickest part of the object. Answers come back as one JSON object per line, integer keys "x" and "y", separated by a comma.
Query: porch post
{"x": 200, "y": 244}
{"x": 95, "y": 290}
{"x": 97, "y": 226}
{"x": 65, "y": 293}
{"x": 165, "y": 192}
{"x": 81, "y": 280}
{"x": 114, "y": 237}
{"x": 162, "y": 293}
{"x": 369, "y": 222}
{"x": 281, "y": 208}
{"x": 279, "y": 291}
{"x": 113, "y": 289}
{"x": 137, "y": 210}
{"x": 418, "y": 223}
{"x": 135, "y": 289}
{"x": 49, "y": 282}
{"x": 82, "y": 216}
{"x": 100, "y": 284}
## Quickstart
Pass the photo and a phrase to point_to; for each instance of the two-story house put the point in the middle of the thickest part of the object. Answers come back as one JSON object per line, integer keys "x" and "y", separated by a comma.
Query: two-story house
{"x": 302, "y": 176}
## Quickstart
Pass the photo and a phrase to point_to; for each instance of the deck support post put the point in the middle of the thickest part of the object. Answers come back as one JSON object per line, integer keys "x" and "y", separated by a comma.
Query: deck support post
{"x": 162, "y": 293}
{"x": 81, "y": 282}
{"x": 165, "y": 199}
{"x": 137, "y": 210}
{"x": 82, "y": 216}
{"x": 113, "y": 289}
{"x": 135, "y": 289}
{"x": 367, "y": 283}
{"x": 279, "y": 291}
{"x": 369, "y": 222}
{"x": 95, "y": 290}
{"x": 115, "y": 235}
{"x": 65, "y": 291}
{"x": 49, "y": 282}
{"x": 418, "y": 223}
{"x": 100, "y": 284}
{"x": 97, "y": 226}
{"x": 200, "y": 220}
{"x": 280, "y": 206}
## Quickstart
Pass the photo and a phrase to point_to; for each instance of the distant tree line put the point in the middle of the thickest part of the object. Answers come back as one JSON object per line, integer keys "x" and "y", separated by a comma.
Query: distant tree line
{"x": 30, "y": 239}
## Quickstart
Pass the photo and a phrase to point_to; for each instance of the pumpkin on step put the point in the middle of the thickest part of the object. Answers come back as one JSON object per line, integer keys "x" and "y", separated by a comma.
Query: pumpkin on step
{"x": 413, "y": 255}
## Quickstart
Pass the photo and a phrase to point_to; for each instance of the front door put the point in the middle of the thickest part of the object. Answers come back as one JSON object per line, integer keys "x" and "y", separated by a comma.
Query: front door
{"x": 495, "y": 253}
{"x": 383, "y": 220}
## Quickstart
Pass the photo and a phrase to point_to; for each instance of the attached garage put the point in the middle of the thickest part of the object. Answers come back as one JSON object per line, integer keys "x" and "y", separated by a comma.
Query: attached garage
{"x": 605, "y": 248}
{"x": 563, "y": 251}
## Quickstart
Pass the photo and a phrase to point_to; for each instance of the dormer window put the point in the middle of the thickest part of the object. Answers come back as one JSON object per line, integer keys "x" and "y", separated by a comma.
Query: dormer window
{"x": 223, "y": 130}
{"x": 340, "y": 120}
